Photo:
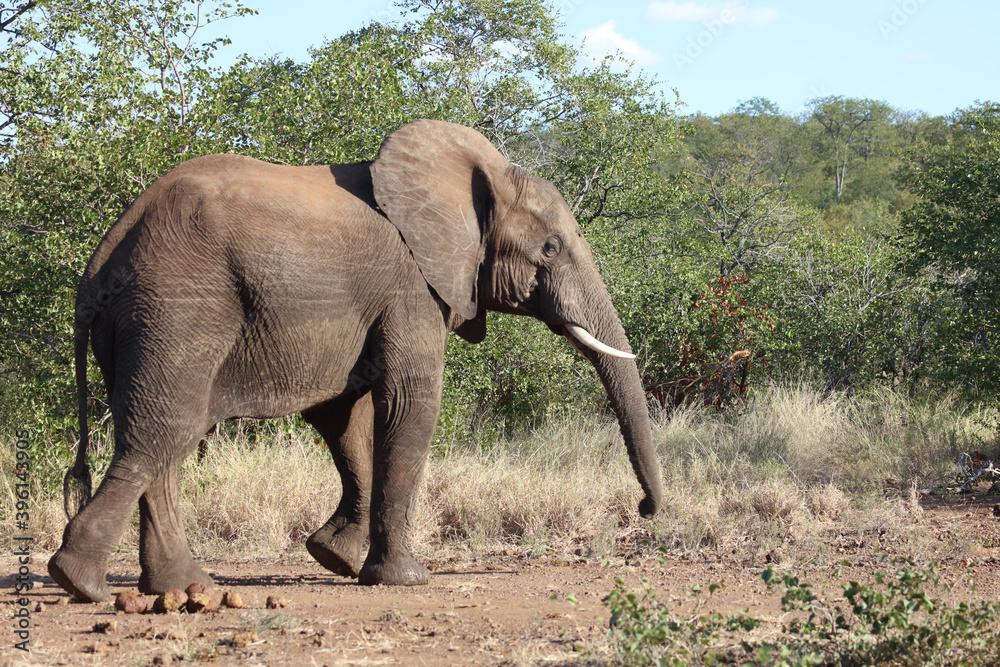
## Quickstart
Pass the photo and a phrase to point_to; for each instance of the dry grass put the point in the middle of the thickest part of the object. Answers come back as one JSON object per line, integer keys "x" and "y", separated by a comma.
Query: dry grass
{"x": 257, "y": 497}
{"x": 564, "y": 485}
{"x": 45, "y": 510}
{"x": 797, "y": 468}
{"x": 793, "y": 470}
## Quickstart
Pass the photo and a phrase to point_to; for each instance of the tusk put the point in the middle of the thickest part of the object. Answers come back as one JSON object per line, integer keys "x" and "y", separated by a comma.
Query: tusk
{"x": 586, "y": 338}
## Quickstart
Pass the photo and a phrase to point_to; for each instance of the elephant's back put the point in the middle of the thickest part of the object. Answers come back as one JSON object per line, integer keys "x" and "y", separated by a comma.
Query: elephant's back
{"x": 191, "y": 173}
{"x": 215, "y": 199}
{"x": 220, "y": 227}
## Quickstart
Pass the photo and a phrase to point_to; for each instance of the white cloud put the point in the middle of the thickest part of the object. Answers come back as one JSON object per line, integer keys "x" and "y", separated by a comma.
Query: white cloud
{"x": 916, "y": 58}
{"x": 731, "y": 13}
{"x": 604, "y": 40}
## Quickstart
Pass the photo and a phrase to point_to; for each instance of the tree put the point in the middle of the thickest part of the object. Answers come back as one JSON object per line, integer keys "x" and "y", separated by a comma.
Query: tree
{"x": 848, "y": 316}
{"x": 741, "y": 166}
{"x": 336, "y": 107}
{"x": 736, "y": 200}
{"x": 954, "y": 234}
{"x": 771, "y": 140}
{"x": 487, "y": 64}
{"x": 848, "y": 127}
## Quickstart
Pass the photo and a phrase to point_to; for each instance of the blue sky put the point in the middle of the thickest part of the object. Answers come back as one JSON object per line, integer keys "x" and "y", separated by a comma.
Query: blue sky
{"x": 928, "y": 55}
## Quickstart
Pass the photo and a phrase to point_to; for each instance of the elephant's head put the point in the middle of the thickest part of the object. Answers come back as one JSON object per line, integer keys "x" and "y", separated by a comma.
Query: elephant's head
{"x": 489, "y": 236}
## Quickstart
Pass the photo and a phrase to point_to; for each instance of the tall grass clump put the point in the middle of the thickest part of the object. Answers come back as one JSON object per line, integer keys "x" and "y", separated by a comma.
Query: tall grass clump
{"x": 567, "y": 482}
{"x": 797, "y": 459}
{"x": 28, "y": 489}
{"x": 258, "y": 495}
{"x": 853, "y": 441}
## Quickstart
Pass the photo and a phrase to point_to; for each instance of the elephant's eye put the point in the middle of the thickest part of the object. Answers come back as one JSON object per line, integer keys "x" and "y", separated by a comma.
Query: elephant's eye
{"x": 552, "y": 247}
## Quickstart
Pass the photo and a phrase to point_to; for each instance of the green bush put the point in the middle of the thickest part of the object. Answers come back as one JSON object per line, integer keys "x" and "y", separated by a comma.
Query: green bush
{"x": 896, "y": 620}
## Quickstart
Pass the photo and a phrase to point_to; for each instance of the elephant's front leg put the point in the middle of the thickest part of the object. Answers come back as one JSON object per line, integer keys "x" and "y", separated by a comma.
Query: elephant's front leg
{"x": 406, "y": 410}
{"x": 346, "y": 425}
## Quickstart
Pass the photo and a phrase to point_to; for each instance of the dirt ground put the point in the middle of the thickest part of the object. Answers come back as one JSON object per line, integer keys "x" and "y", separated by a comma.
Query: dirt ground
{"x": 501, "y": 608}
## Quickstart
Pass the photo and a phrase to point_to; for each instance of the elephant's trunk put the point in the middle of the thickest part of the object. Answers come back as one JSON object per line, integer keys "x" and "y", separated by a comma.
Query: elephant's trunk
{"x": 623, "y": 385}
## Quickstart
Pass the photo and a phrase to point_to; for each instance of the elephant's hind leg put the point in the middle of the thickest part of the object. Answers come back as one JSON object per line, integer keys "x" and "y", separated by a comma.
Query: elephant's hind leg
{"x": 347, "y": 430}
{"x": 163, "y": 549}
{"x": 80, "y": 566}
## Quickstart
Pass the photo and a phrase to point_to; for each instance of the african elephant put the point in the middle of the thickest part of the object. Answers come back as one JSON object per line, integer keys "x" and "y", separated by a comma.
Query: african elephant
{"x": 233, "y": 287}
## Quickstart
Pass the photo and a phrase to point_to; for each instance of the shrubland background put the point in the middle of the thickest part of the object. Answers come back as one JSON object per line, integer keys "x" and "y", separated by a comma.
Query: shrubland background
{"x": 845, "y": 257}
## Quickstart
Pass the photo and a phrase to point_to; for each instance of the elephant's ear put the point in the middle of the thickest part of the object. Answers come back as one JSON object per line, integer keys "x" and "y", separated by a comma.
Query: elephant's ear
{"x": 434, "y": 182}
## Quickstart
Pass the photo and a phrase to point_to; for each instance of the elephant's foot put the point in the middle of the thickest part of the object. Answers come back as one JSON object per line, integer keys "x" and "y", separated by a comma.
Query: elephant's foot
{"x": 79, "y": 576}
{"x": 177, "y": 575}
{"x": 398, "y": 571}
{"x": 339, "y": 550}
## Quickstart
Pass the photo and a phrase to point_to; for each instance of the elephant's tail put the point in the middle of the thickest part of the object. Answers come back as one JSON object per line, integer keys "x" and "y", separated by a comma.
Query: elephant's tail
{"x": 77, "y": 483}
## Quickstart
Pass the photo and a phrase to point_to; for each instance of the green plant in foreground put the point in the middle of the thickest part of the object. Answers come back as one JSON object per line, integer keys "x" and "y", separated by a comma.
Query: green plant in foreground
{"x": 893, "y": 621}
{"x": 648, "y": 632}
{"x": 896, "y": 621}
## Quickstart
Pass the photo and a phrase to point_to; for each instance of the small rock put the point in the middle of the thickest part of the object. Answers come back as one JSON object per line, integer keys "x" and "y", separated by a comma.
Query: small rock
{"x": 245, "y": 638}
{"x": 163, "y": 659}
{"x": 172, "y": 600}
{"x": 63, "y": 601}
{"x": 130, "y": 602}
{"x": 106, "y": 627}
{"x": 39, "y": 607}
{"x": 276, "y": 601}
{"x": 232, "y": 599}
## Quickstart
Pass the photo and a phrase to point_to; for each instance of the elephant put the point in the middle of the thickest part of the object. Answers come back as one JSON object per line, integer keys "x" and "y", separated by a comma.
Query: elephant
{"x": 233, "y": 287}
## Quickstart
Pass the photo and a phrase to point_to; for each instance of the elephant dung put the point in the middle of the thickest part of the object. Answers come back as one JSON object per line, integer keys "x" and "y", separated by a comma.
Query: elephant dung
{"x": 276, "y": 601}
{"x": 201, "y": 598}
{"x": 232, "y": 599}
{"x": 245, "y": 638}
{"x": 130, "y": 602}
{"x": 172, "y": 600}
{"x": 106, "y": 627}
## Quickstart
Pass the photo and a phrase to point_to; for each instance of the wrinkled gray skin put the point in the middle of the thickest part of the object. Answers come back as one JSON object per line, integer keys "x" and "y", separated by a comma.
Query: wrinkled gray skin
{"x": 232, "y": 287}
